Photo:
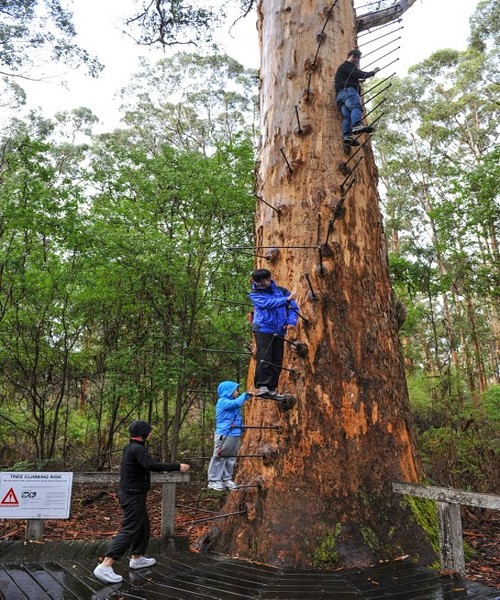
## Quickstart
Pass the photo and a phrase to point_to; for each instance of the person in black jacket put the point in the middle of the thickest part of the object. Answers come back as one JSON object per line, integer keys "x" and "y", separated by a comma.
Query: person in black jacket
{"x": 347, "y": 94}
{"x": 135, "y": 481}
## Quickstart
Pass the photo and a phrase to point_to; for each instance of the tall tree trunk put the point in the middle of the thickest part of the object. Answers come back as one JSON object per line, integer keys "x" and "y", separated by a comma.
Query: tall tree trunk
{"x": 474, "y": 335}
{"x": 325, "y": 480}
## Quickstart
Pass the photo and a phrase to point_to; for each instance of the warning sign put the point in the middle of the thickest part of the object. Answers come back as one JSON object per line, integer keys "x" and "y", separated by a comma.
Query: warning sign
{"x": 10, "y": 499}
{"x": 35, "y": 495}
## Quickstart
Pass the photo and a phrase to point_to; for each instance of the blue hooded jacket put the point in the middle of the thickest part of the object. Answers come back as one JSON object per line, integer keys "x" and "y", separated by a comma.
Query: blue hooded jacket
{"x": 228, "y": 417}
{"x": 272, "y": 311}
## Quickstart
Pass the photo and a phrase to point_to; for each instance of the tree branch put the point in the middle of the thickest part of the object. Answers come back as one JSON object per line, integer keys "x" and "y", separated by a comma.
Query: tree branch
{"x": 381, "y": 17}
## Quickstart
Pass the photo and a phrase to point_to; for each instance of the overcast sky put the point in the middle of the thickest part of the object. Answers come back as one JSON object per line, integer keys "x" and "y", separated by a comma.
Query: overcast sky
{"x": 429, "y": 25}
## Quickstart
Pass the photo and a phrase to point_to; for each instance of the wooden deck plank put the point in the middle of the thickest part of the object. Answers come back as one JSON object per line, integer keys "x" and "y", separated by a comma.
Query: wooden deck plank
{"x": 196, "y": 582}
{"x": 63, "y": 571}
{"x": 184, "y": 562}
{"x": 80, "y": 582}
{"x": 8, "y": 587}
{"x": 301, "y": 595}
{"x": 235, "y": 575}
{"x": 320, "y": 587}
{"x": 158, "y": 589}
{"x": 249, "y": 566}
{"x": 24, "y": 580}
{"x": 205, "y": 588}
{"x": 228, "y": 585}
{"x": 277, "y": 594}
{"x": 161, "y": 590}
{"x": 161, "y": 593}
{"x": 48, "y": 582}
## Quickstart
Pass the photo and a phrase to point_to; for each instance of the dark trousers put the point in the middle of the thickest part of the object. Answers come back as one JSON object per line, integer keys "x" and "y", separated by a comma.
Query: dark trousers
{"x": 134, "y": 531}
{"x": 269, "y": 348}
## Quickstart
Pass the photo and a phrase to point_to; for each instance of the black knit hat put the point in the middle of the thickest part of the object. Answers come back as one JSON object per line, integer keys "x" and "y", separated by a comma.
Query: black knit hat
{"x": 356, "y": 52}
{"x": 139, "y": 428}
{"x": 260, "y": 274}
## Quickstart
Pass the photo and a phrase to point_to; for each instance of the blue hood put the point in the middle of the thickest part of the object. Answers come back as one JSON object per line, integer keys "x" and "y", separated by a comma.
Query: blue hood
{"x": 226, "y": 389}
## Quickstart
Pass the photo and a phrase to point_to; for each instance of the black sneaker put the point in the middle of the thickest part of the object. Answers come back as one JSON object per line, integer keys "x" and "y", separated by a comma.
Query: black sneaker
{"x": 262, "y": 391}
{"x": 360, "y": 128}
{"x": 350, "y": 141}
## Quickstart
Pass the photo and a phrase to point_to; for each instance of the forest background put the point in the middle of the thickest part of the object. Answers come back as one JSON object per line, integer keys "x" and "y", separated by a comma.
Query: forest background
{"x": 121, "y": 296}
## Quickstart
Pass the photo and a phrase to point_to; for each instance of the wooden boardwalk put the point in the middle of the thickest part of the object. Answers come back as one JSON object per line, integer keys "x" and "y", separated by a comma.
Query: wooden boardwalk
{"x": 63, "y": 570}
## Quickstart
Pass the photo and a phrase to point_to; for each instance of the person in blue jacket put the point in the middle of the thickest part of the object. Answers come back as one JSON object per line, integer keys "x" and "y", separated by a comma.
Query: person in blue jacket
{"x": 227, "y": 438}
{"x": 275, "y": 312}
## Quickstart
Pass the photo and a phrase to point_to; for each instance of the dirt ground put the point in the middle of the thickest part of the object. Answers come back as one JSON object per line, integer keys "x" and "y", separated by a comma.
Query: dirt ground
{"x": 96, "y": 515}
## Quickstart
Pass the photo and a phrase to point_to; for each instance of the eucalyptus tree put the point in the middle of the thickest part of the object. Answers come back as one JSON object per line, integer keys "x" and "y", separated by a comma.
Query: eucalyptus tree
{"x": 349, "y": 435}
{"x": 40, "y": 318}
{"x": 34, "y": 34}
{"x": 446, "y": 112}
{"x": 161, "y": 222}
{"x": 191, "y": 102}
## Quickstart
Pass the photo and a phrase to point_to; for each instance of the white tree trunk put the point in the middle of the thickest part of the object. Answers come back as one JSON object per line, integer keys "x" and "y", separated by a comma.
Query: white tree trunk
{"x": 325, "y": 494}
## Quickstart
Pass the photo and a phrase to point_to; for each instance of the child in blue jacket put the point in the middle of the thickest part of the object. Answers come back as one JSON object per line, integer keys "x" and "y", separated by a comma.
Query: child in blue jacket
{"x": 227, "y": 438}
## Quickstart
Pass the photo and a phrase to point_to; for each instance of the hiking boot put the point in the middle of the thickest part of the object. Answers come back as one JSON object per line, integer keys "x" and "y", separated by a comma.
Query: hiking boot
{"x": 107, "y": 574}
{"x": 360, "y": 128}
{"x": 262, "y": 391}
{"x": 350, "y": 141}
{"x": 141, "y": 562}
{"x": 230, "y": 485}
{"x": 218, "y": 486}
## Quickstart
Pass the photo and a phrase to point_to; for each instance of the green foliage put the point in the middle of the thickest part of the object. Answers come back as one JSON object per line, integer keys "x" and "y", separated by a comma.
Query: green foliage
{"x": 424, "y": 512}
{"x": 116, "y": 274}
{"x": 484, "y": 26}
{"x": 115, "y": 277}
{"x": 326, "y": 554}
{"x": 192, "y": 102}
{"x": 36, "y": 25}
{"x": 424, "y": 409}
{"x": 462, "y": 458}
{"x": 36, "y": 465}
{"x": 491, "y": 399}
{"x": 440, "y": 167}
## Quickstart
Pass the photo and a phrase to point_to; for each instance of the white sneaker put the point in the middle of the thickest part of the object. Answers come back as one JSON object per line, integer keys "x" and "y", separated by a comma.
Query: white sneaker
{"x": 107, "y": 574}
{"x": 218, "y": 486}
{"x": 230, "y": 485}
{"x": 140, "y": 563}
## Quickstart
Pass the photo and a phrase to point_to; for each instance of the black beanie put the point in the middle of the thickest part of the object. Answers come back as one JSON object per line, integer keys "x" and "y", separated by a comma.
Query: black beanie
{"x": 139, "y": 428}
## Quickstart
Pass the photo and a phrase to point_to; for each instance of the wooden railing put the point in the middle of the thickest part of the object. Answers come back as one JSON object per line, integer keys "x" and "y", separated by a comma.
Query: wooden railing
{"x": 168, "y": 481}
{"x": 448, "y": 503}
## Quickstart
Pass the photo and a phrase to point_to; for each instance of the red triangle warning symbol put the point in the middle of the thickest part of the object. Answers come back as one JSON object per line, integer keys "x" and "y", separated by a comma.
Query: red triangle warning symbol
{"x": 10, "y": 498}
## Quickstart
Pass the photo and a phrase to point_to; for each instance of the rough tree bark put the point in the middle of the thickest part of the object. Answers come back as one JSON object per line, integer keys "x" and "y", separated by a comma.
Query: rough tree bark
{"x": 325, "y": 481}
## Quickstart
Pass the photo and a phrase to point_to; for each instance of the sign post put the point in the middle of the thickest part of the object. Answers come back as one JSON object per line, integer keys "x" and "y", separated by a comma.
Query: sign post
{"x": 35, "y": 496}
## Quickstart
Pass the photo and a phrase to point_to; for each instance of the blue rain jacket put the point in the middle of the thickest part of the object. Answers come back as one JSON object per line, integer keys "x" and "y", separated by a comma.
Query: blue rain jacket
{"x": 228, "y": 416}
{"x": 272, "y": 311}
